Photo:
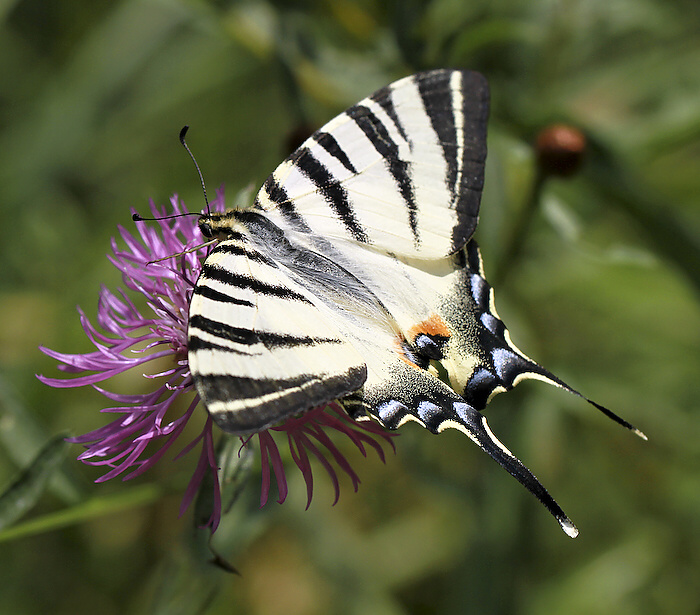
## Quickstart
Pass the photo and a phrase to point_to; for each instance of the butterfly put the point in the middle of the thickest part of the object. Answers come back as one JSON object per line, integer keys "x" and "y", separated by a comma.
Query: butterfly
{"x": 354, "y": 277}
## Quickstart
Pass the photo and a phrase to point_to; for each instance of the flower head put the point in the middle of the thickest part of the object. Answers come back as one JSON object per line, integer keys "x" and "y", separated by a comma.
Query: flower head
{"x": 163, "y": 265}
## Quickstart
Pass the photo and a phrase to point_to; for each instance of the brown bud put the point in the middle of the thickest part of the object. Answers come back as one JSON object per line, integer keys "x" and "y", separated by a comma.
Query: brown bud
{"x": 560, "y": 150}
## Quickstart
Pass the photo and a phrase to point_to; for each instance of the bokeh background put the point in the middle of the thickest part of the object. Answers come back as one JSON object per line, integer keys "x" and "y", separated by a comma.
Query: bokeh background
{"x": 604, "y": 293}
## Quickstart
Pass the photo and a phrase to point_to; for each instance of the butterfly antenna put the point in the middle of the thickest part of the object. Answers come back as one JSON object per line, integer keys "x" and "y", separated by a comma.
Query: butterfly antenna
{"x": 183, "y": 132}
{"x": 140, "y": 218}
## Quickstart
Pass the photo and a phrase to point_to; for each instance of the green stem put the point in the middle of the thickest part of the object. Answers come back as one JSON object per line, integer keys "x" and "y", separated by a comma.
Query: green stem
{"x": 519, "y": 231}
{"x": 90, "y": 509}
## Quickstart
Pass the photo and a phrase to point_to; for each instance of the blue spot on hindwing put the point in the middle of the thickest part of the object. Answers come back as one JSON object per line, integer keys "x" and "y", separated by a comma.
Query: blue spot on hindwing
{"x": 428, "y": 346}
{"x": 431, "y": 414}
{"x": 508, "y": 364}
{"x": 480, "y": 386}
{"x": 491, "y": 323}
{"x": 480, "y": 291}
{"x": 391, "y": 412}
{"x": 463, "y": 411}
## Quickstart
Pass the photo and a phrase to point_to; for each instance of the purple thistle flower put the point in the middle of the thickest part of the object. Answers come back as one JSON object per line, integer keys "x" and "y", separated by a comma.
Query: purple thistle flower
{"x": 125, "y": 338}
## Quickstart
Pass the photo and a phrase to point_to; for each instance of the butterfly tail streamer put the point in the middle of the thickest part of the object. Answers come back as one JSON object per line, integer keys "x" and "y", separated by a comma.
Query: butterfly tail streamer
{"x": 474, "y": 425}
{"x": 502, "y": 365}
{"x": 415, "y": 395}
{"x": 607, "y": 412}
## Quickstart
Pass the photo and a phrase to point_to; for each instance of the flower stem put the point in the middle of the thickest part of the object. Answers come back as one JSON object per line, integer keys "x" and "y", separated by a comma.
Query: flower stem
{"x": 519, "y": 230}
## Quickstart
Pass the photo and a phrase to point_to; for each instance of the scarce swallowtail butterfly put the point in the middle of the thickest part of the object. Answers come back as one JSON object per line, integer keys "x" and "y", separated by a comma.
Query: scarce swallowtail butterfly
{"x": 353, "y": 277}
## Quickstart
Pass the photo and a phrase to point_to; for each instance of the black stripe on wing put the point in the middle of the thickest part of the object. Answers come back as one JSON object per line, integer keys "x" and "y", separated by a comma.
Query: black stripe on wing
{"x": 248, "y": 337}
{"x": 222, "y": 388}
{"x": 383, "y": 98}
{"x": 242, "y": 405}
{"x": 381, "y": 140}
{"x": 219, "y": 274}
{"x": 331, "y": 189}
{"x": 475, "y": 111}
{"x": 285, "y": 205}
{"x": 437, "y": 98}
{"x": 214, "y": 295}
{"x": 239, "y": 335}
{"x": 195, "y": 344}
{"x": 328, "y": 142}
{"x": 465, "y": 157}
{"x": 230, "y": 247}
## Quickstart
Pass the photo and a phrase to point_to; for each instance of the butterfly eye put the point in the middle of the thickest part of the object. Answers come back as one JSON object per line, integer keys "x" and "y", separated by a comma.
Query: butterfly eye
{"x": 206, "y": 229}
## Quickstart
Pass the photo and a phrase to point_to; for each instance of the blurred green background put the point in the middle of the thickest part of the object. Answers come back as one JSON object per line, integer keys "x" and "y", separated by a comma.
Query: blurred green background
{"x": 605, "y": 294}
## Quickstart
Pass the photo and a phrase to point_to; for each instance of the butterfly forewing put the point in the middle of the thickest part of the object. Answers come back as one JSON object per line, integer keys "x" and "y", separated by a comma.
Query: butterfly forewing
{"x": 401, "y": 171}
{"x": 260, "y": 347}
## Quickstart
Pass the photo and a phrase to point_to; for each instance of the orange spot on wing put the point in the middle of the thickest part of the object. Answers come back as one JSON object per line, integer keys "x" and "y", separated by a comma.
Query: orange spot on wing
{"x": 433, "y": 326}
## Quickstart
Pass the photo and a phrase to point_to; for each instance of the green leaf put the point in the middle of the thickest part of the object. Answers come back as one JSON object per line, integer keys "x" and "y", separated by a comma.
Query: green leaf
{"x": 25, "y": 489}
{"x": 90, "y": 509}
{"x": 22, "y": 436}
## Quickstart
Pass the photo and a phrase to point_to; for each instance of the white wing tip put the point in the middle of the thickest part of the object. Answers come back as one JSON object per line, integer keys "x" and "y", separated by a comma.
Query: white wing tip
{"x": 640, "y": 433}
{"x": 569, "y": 528}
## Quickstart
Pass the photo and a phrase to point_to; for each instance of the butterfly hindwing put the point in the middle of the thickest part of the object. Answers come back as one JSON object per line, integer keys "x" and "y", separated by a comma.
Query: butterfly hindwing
{"x": 456, "y": 328}
{"x": 410, "y": 393}
{"x": 481, "y": 358}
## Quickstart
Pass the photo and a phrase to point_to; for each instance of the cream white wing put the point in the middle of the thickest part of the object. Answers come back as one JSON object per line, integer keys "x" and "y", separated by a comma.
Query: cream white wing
{"x": 401, "y": 171}
{"x": 261, "y": 347}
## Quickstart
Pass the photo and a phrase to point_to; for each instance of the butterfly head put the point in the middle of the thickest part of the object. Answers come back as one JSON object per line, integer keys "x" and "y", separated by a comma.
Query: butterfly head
{"x": 218, "y": 226}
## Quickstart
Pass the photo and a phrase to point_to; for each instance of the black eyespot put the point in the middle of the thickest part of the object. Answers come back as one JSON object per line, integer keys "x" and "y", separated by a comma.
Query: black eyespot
{"x": 430, "y": 346}
{"x": 414, "y": 357}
